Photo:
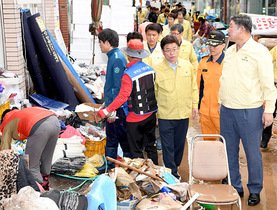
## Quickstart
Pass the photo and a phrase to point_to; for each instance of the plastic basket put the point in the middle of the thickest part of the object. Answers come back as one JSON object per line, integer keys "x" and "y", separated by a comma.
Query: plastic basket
{"x": 4, "y": 106}
{"x": 95, "y": 147}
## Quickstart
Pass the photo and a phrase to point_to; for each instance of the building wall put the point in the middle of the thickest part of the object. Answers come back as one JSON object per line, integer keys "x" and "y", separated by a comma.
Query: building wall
{"x": 13, "y": 37}
{"x": 50, "y": 16}
{"x": 13, "y": 40}
{"x": 63, "y": 10}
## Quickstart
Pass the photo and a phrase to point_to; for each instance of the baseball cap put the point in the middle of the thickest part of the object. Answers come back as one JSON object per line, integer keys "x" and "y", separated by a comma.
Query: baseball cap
{"x": 215, "y": 38}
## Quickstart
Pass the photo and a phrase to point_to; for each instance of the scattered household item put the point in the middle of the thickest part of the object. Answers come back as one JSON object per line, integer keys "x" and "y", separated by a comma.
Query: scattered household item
{"x": 161, "y": 201}
{"x": 47, "y": 103}
{"x": 27, "y": 198}
{"x": 78, "y": 86}
{"x": 209, "y": 162}
{"x": 52, "y": 61}
{"x": 102, "y": 194}
{"x": 88, "y": 112}
{"x": 134, "y": 169}
{"x": 68, "y": 166}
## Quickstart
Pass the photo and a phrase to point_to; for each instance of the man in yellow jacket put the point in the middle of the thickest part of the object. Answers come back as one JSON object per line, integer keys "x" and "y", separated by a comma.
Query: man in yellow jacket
{"x": 177, "y": 96}
{"x": 186, "y": 50}
{"x": 166, "y": 28}
{"x": 208, "y": 75}
{"x": 153, "y": 32}
{"x": 187, "y": 34}
{"x": 162, "y": 17}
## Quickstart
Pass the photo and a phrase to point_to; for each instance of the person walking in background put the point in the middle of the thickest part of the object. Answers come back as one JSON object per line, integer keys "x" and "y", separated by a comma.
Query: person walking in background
{"x": 166, "y": 28}
{"x": 177, "y": 96}
{"x": 187, "y": 33}
{"x": 42, "y": 128}
{"x": 208, "y": 75}
{"x": 186, "y": 50}
{"x": 116, "y": 123}
{"x": 246, "y": 83}
{"x": 162, "y": 17}
{"x": 153, "y": 32}
{"x": 193, "y": 9}
{"x": 137, "y": 88}
{"x": 267, "y": 132}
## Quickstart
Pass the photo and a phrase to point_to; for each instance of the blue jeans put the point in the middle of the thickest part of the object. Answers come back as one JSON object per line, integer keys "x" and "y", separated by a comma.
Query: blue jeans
{"x": 116, "y": 132}
{"x": 173, "y": 136}
{"x": 244, "y": 124}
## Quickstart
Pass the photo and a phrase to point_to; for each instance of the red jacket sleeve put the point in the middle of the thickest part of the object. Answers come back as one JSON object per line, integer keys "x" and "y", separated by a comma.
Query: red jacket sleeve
{"x": 124, "y": 93}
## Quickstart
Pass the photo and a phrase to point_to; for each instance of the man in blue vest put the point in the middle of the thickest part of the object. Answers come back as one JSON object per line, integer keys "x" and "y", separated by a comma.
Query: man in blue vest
{"x": 115, "y": 130}
{"x": 137, "y": 88}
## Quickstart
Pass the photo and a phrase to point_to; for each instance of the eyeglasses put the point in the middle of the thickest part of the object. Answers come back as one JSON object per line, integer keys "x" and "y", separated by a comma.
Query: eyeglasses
{"x": 170, "y": 51}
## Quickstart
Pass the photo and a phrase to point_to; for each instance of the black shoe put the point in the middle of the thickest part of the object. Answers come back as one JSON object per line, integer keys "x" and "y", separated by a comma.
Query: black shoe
{"x": 241, "y": 194}
{"x": 253, "y": 199}
{"x": 225, "y": 180}
{"x": 264, "y": 144}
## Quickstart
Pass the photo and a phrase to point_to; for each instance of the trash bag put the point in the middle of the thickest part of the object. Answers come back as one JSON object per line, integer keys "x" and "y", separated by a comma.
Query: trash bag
{"x": 28, "y": 198}
{"x": 68, "y": 166}
{"x": 74, "y": 120}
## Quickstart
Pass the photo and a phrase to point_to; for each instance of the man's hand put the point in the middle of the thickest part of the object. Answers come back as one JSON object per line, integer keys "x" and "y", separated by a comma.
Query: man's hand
{"x": 112, "y": 117}
{"x": 267, "y": 119}
{"x": 194, "y": 112}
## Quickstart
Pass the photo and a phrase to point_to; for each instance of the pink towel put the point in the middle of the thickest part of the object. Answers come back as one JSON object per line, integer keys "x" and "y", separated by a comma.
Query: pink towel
{"x": 71, "y": 131}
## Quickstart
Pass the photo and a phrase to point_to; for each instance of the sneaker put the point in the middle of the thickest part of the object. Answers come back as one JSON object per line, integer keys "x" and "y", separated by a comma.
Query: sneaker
{"x": 45, "y": 183}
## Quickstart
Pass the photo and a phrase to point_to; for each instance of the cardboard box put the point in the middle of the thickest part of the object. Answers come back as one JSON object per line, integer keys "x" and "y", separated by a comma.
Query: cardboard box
{"x": 90, "y": 116}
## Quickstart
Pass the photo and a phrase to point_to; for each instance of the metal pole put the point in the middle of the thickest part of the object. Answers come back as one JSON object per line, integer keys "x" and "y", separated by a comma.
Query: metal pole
{"x": 266, "y": 7}
{"x": 137, "y": 19}
{"x": 171, "y": 3}
{"x": 93, "y": 49}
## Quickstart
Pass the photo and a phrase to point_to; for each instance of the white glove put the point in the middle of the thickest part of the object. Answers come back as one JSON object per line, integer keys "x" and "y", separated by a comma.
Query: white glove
{"x": 112, "y": 117}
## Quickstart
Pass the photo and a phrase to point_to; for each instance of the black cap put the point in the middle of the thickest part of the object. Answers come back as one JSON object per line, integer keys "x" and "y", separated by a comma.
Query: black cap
{"x": 215, "y": 38}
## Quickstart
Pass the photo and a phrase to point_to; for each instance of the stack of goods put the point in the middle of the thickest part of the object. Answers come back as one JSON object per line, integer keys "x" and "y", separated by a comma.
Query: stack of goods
{"x": 68, "y": 147}
{"x": 91, "y": 76}
{"x": 95, "y": 139}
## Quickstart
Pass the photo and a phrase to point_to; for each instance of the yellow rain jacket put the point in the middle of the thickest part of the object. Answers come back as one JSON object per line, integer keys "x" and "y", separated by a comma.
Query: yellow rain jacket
{"x": 155, "y": 57}
{"x": 176, "y": 91}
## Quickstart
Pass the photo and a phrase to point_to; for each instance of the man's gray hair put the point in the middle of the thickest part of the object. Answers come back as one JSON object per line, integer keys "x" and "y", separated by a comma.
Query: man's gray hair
{"x": 243, "y": 20}
{"x": 177, "y": 27}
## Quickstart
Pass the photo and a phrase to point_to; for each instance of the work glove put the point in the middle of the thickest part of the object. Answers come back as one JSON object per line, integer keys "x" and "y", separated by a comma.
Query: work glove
{"x": 102, "y": 113}
{"x": 112, "y": 117}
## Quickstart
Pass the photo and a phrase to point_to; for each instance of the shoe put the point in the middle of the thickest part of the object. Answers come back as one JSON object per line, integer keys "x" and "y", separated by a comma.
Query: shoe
{"x": 241, "y": 194}
{"x": 253, "y": 199}
{"x": 264, "y": 144}
{"x": 45, "y": 184}
{"x": 225, "y": 180}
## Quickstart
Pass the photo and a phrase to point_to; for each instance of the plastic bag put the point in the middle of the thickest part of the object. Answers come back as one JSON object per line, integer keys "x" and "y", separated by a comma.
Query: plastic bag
{"x": 88, "y": 170}
{"x": 68, "y": 166}
{"x": 27, "y": 198}
{"x": 96, "y": 160}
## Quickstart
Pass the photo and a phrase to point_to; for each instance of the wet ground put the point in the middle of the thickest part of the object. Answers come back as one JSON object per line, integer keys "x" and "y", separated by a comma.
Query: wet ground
{"x": 268, "y": 194}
